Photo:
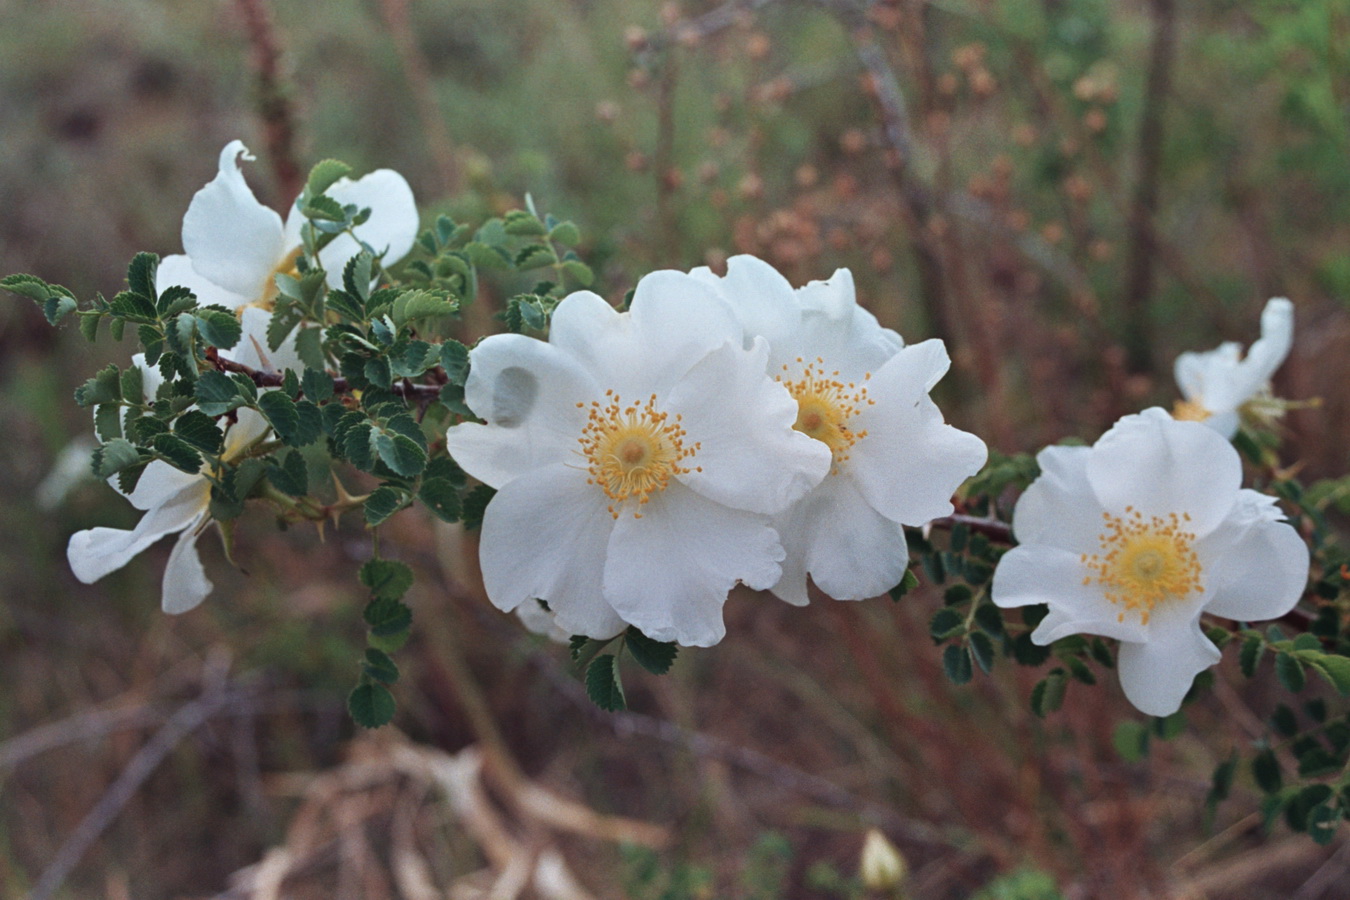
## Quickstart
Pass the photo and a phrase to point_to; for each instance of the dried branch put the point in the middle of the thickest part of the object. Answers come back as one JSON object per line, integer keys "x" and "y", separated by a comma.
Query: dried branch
{"x": 274, "y": 106}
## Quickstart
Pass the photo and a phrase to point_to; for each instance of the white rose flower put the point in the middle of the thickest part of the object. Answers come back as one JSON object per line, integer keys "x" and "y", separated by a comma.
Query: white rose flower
{"x": 174, "y": 501}
{"x": 1218, "y": 383}
{"x": 234, "y": 245}
{"x": 1136, "y": 536}
{"x": 863, "y": 394}
{"x": 637, "y": 457}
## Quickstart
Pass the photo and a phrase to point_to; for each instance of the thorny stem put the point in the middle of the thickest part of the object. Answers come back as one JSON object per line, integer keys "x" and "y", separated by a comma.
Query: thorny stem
{"x": 422, "y": 393}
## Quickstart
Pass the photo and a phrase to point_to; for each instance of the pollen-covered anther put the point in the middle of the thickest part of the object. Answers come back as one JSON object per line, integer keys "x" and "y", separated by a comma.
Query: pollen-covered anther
{"x": 1144, "y": 562}
{"x": 633, "y": 450}
{"x": 1190, "y": 411}
{"x": 825, "y": 404}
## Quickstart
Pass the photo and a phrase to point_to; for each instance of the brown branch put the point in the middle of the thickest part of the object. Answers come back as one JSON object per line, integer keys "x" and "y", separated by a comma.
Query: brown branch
{"x": 274, "y": 106}
{"x": 422, "y": 393}
{"x": 418, "y": 73}
{"x": 990, "y": 528}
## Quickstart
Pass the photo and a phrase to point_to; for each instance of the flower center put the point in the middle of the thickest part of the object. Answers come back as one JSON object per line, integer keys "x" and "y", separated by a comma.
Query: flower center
{"x": 1144, "y": 562}
{"x": 825, "y": 404}
{"x": 1190, "y": 411}
{"x": 633, "y": 450}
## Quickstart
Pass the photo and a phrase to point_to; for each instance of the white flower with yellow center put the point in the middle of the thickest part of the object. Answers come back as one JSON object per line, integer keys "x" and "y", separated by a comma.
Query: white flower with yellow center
{"x": 1135, "y": 537}
{"x": 864, "y": 396}
{"x": 637, "y": 457}
{"x": 1218, "y": 384}
{"x": 235, "y": 246}
{"x": 174, "y": 501}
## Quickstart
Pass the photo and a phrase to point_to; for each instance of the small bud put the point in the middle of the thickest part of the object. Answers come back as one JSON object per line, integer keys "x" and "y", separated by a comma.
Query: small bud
{"x": 882, "y": 867}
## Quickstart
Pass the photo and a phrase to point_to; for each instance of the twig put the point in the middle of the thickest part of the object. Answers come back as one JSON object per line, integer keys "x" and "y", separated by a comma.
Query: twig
{"x": 274, "y": 106}
{"x": 215, "y": 695}
{"x": 1139, "y": 268}
{"x": 423, "y": 393}
{"x": 423, "y": 87}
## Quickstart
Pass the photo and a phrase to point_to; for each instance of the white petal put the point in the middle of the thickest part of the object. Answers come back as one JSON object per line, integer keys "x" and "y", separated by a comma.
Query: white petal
{"x": 528, "y": 392}
{"x": 1161, "y": 466}
{"x": 669, "y": 572}
{"x": 1028, "y": 575}
{"x": 1202, "y": 377}
{"x": 761, "y": 299}
{"x": 675, "y": 321}
{"x": 185, "y": 581}
{"x": 749, "y": 455}
{"x": 1156, "y": 675}
{"x": 249, "y": 425}
{"x": 851, "y": 551}
{"x": 178, "y": 270}
{"x": 910, "y": 462}
{"x": 98, "y": 551}
{"x": 231, "y": 238}
{"x": 252, "y": 349}
{"x": 1254, "y": 568}
{"x": 545, "y": 535}
{"x": 391, "y": 228}
{"x": 1059, "y": 508}
{"x": 161, "y": 484}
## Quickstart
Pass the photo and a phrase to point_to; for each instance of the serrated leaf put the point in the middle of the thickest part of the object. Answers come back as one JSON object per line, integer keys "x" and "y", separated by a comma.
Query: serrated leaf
{"x": 378, "y": 372}
{"x": 382, "y": 503}
{"x": 575, "y": 644}
{"x": 348, "y": 306}
{"x": 323, "y": 209}
{"x": 141, "y": 274}
{"x": 1250, "y": 655}
{"x": 284, "y": 319}
{"x": 1290, "y": 672}
{"x": 199, "y": 430}
{"x": 105, "y": 387}
{"x": 399, "y": 452}
{"x": 132, "y": 385}
{"x": 990, "y": 618}
{"x": 982, "y": 650}
{"x": 134, "y": 307}
{"x": 579, "y": 272}
{"x": 523, "y": 224}
{"x": 358, "y": 274}
{"x": 325, "y": 174}
{"x": 1335, "y": 669}
{"x": 945, "y": 623}
{"x": 281, "y": 413}
{"x": 289, "y": 474}
{"x": 317, "y": 385}
{"x": 89, "y": 326}
{"x": 532, "y": 256}
{"x": 114, "y": 456}
{"x": 29, "y": 286}
{"x": 419, "y": 304}
{"x": 565, "y": 233}
{"x": 379, "y": 667}
{"x": 371, "y": 705}
{"x": 441, "y": 497}
{"x": 219, "y": 328}
{"x": 57, "y": 307}
{"x": 108, "y": 421}
{"x": 654, "y": 656}
{"x": 486, "y": 257}
{"x": 1027, "y": 652}
{"x": 475, "y": 502}
{"x": 455, "y": 361}
{"x": 217, "y": 393}
{"x": 310, "y": 425}
{"x": 603, "y": 685}
{"x": 177, "y": 453}
{"x": 387, "y": 579}
{"x": 908, "y": 583}
{"x": 956, "y": 664}
{"x": 387, "y": 616}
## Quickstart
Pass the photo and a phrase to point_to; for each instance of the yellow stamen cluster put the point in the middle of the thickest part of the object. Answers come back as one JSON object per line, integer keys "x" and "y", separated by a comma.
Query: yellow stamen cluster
{"x": 824, "y": 406}
{"x": 1144, "y": 562}
{"x": 1190, "y": 411}
{"x": 634, "y": 450}
{"x": 268, "y": 291}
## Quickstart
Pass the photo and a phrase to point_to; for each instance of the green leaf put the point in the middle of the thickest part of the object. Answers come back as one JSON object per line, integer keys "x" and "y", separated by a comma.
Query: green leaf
{"x": 1335, "y": 669}
{"x": 199, "y": 430}
{"x": 946, "y": 623}
{"x": 654, "y": 656}
{"x": 579, "y": 272}
{"x": 387, "y": 580}
{"x": 956, "y": 663}
{"x": 371, "y": 705}
{"x": 475, "y": 502}
{"x": 317, "y": 385}
{"x": 441, "y": 497}
{"x": 113, "y": 457}
{"x": 57, "y": 307}
{"x": 603, "y": 685}
{"x": 108, "y": 421}
{"x": 290, "y": 474}
{"x": 1266, "y": 771}
{"x": 174, "y": 300}
{"x": 105, "y": 387}
{"x": 1250, "y": 655}
{"x": 132, "y": 386}
{"x": 399, "y": 452}
{"x": 455, "y": 361}
{"x": 412, "y": 306}
{"x": 907, "y": 584}
{"x": 141, "y": 274}
{"x": 217, "y": 393}
{"x": 565, "y": 233}
{"x": 32, "y": 287}
{"x": 532, "y": 256}
{"x": 323, "y": 209}
{"x": 982, "y": 650}
{"x": 134, "y": 307}
{"x": 1048, "y": 694}
{"x": 280, "y": 411}
{"x": 1290, "y": 672}
{"x": 1323, "y": 821}
{"x": 1131, "y": 741}
{"x": 89, "y": 326}
{"x": 324, "y": 174}
{"x": 379, "y": 667}
{"x": 990, "y": 618}
{"x": 382, "y": 503}
{"x": 219, "y": 328}
{"x": 1027, "y": 652}
{"x": 358, "y": 274}
{"x": 177, "y": 453}
{"x": 486, "y": 257}
{"x": 524, "y": 224}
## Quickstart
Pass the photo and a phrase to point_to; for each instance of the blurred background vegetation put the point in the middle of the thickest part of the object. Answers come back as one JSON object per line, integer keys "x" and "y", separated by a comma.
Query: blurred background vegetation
{"x": 1070, "y": 192}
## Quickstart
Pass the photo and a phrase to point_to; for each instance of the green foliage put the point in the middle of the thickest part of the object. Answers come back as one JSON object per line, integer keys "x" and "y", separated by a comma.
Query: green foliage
{"x": 603, "y": 685}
